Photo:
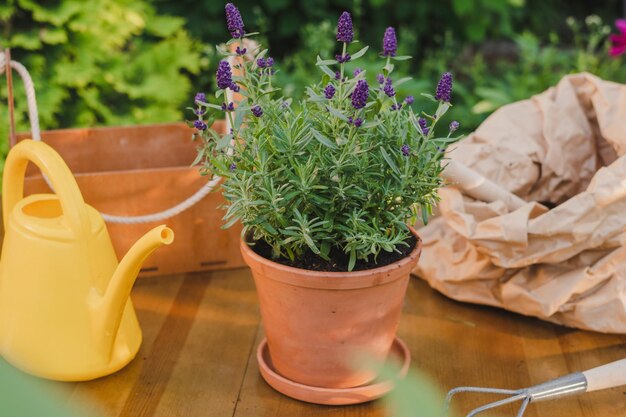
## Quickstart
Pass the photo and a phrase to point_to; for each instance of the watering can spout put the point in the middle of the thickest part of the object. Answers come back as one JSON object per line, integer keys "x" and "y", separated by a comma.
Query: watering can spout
{"x": 112, "y": 304}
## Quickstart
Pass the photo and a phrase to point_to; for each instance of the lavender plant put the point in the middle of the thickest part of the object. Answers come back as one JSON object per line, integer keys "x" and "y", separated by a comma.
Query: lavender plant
{"x": 340, "y": 172}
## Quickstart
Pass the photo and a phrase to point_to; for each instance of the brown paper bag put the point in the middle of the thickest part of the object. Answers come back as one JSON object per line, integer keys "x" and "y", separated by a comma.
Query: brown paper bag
{"x": 564, "y": 149}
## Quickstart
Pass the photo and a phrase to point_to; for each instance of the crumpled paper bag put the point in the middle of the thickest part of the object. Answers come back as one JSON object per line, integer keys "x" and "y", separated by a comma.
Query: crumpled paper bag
{"x": 565, "y": 149}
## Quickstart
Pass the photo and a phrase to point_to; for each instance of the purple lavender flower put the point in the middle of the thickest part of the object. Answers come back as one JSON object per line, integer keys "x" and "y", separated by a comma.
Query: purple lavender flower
{"x": 358, "y": 122}
{"x": 409, "y": 100}
{"x": 396, "y": 107}
{"x": 350, "y": 120}
{"x": 343, "y": 58}
{"x": 423, "y": 125}
{"x": 380, "y": 78}
{"x": 200, "y": 125}
{"x": 329, "y": 91}
{"x": 388, "y": 88}
{"x": 234, "y": 87}
{"x": 229, "y": 107}
{"x": 390, "y": 43}
{"x": 199, "y": 111}
{"x": 223, "y": 75}
{"x": 344, "y": 28}
{"x": 233, "y": 167}
{"x": 357, "y": 71}
{"x": 337, "y": 75}
{"x": 257, "y": 110}
{"x": 359, "y": 95}
{"x": 200, "y": 97}
{"x": 454, "y": 125}
{"x": 406, "y": 150}
{"x": 444, "y": 88}
{"x": 265, "y": 64}
{"x": 234, "y": 21}
{"x": 240, "y": 51}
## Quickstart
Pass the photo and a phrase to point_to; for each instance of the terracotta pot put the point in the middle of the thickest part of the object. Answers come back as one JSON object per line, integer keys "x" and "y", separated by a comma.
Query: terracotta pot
{"x": 315, "y": 322}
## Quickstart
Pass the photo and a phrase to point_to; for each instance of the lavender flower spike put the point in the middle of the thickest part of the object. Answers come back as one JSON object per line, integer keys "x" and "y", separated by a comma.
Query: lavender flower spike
{"x": 234, "y": 21}
{"x": 390, "y": 43}
{"x": 257, "y": 110}
{"x": 359, "y": 95}
{"x": 444, "y": 88}
{"x": 388, "y": 88}
{"x": 406, "y": 150}
{"x": 454, "y": 125}
{"x": 200, "y": 97}
{"x": 329, "y": 91}
{"x": 200, "y": 125}
{"x": 223, "y": 75}
{"x": 344, "y": 28}
{"x": 423, "y": 125}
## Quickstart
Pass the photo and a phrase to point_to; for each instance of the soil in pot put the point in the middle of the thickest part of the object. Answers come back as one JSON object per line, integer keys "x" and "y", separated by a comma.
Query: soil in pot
{"x": 338, "y": 259}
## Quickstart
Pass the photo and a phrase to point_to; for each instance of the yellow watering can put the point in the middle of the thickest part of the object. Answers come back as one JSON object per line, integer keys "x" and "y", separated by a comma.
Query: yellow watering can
{"x": 65, "y": 311}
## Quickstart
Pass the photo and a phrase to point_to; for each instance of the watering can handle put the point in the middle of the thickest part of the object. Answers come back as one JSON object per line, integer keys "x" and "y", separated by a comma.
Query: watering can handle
{"x": 53, "y": 166}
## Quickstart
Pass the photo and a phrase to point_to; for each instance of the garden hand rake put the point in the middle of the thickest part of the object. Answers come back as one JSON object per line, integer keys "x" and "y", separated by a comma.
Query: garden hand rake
{"x": 602, "y": 377}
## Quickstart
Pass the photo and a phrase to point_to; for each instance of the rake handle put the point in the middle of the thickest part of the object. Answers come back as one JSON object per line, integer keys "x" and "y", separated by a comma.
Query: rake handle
{"x": 606, "y": 376}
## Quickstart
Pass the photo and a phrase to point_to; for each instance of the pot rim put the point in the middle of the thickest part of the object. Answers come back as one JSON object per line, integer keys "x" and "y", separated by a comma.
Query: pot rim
{"x": 333, "y": 280}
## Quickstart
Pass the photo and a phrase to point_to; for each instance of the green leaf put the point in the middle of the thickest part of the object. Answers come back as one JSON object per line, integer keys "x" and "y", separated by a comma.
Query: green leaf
{"x": 164, "y": 26}
{"x": 309, "y": 242}
{"x": 352, "y": 260}
{"x": 375, "y": 123}
{"x": 360, "y": 53}
{"x": 401, "y": 57}
{"x": 323, "y": 139}
{"x": 430, "y": 96}
{"x": 269, "y": 228}
{"x": 29, "y": 41}
{"x": 442, "y": 109}
{"x": 389, "y": 160}
{"x": 213, "y": 106}
{"x": 325, "y": 62}
{"x": 223, "y": 142}
{"x": 198, "y": 159}
{"x": 337, "y": 113}
{"x": 327, "y": 71}
{"x": 53, "y": 36}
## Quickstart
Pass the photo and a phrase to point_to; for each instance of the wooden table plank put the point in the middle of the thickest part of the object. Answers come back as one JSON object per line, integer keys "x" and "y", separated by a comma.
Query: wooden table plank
{"x": 153, "y": 299}
{"x": 201, "y": 332}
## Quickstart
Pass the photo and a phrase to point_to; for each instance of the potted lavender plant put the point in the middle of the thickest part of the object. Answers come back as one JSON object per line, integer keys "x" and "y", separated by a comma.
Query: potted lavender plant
{"x": 324, "y": 189}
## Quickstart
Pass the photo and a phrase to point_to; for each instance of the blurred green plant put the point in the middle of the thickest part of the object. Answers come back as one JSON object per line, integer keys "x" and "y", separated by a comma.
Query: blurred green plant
{"x": 24, "y": 396}
{"x": 539, "y": 67}
{"x": 97, "y": 62}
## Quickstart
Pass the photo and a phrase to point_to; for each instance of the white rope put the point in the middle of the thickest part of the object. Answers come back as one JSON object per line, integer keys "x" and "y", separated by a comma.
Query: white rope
{"x": 148, "y": 218}
{"x": 33, "y": 114}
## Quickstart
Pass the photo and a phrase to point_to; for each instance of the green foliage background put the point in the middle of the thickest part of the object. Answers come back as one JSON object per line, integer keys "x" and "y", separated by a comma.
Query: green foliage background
{"x": 98, "y": 62}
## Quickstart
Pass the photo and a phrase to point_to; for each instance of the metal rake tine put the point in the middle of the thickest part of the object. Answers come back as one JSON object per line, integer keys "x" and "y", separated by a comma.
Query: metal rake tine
{"x": 495, "y": 404}
{"x": 460, "y": 390}
{"x": 520, "y": 413}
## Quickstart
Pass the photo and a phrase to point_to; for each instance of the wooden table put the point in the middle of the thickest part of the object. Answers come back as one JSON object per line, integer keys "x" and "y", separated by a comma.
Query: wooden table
{"x": 201, "y": 332}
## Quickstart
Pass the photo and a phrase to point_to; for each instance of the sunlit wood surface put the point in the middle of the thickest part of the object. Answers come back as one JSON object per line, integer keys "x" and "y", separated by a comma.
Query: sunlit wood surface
{"x": 201, "y": 332}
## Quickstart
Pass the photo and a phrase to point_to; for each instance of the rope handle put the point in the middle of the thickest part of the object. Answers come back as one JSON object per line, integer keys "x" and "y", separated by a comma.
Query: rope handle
{"x": 6, "y": 63}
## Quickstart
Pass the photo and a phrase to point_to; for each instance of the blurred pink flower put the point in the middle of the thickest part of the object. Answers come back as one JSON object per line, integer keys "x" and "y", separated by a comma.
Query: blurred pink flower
{"x": 618, "y": 42}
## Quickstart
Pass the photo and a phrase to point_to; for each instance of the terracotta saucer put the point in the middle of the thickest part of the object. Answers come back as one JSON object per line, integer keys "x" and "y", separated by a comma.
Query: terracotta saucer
{"x": 331, "y": 396}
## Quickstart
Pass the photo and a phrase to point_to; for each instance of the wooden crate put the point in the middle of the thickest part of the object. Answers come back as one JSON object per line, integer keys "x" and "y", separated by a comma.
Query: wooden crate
{"x": 141, "y": 170}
